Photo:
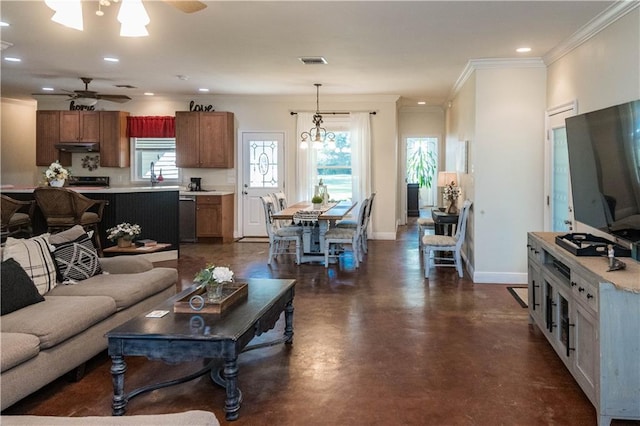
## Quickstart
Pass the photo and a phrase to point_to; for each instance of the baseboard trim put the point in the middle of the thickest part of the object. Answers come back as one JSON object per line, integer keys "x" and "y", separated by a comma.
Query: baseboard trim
{"x": 500, "y": 278}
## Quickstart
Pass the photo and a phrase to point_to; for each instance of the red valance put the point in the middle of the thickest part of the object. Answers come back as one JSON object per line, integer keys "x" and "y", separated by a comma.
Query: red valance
{"x": 151, "y": 127}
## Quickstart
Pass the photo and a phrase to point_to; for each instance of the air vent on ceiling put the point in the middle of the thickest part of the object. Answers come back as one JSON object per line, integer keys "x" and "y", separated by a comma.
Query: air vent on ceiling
{"x": 313, "y": 60}
{"x": 125, "y": 86}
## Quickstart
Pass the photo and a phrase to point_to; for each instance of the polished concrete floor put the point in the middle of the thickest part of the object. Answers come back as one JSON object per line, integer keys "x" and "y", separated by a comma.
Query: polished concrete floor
{"x": 379, "y": 345}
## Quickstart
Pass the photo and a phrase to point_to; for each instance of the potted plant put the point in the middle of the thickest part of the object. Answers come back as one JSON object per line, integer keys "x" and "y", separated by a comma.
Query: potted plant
{"x": 123, "y": 233}
{"x": 317, "y": 202}
{"x": 421, "y": 167}
{"x": 55, "y": 175}
{"x": 213, "y": 278}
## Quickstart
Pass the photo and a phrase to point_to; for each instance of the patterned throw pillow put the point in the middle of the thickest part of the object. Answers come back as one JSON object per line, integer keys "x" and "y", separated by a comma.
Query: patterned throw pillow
{"x": 35, "y": 258}
{"x": 16, "y": 287}
{"x": 77, "y": 260}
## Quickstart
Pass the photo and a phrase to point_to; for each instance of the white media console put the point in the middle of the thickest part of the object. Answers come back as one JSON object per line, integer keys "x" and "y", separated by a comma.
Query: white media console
{"x": 591, "y": 318}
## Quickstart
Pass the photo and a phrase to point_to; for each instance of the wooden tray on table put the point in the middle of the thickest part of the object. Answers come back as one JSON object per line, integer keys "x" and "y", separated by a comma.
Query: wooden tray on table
{"x": 232, "y": 294}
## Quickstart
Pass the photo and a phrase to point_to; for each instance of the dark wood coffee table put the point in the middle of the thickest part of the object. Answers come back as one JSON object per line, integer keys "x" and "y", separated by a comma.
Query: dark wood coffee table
{"x": 187, "y": 337}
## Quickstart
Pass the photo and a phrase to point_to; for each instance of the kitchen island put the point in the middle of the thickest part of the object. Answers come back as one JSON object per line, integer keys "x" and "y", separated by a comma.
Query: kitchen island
{"x": 154, "y": 208}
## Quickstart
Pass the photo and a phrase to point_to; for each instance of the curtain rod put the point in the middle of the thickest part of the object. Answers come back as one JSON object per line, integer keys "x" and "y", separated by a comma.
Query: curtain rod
{"x": 332, "y": 112}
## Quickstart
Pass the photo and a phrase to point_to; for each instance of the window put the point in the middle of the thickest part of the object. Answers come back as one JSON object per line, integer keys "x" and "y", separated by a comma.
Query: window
{"x": 334, "y": 167}
{"x": 333, "y": 163}
{"x": 159, "y": 151}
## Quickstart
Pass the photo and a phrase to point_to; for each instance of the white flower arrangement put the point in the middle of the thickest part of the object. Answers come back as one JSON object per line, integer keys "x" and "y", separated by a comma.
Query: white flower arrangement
{"x": 56, "y": 172}
{"x": 451, "y": 192}
{"x": 124, "y": 230}
{"x": 211, "y": 274}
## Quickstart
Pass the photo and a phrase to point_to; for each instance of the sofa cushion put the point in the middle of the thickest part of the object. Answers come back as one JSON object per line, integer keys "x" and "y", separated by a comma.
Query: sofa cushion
{"x": 16, "y": 288}
{"x": 125, "y": 289}
{"x": 77, "y": 259}
{"x": 125, "y": 264}
{"x": 17, "y": 348}
{"x": 58, "y": 318}
{"x": 35, "y": 258}
{"x": 67, "y": 235}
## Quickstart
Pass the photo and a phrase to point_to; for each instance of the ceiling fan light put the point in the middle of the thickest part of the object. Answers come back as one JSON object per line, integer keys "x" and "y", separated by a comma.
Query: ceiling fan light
{"x": 68, "y": 13}
{"x": 86, "y": 101}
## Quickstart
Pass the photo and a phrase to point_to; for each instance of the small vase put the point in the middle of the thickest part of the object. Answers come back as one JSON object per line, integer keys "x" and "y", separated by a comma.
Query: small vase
{"x": 214, "y": 291}
{"x": 56, "y": 183}
{"x": 453, "y": 206}
{"x": 124, "y": 243}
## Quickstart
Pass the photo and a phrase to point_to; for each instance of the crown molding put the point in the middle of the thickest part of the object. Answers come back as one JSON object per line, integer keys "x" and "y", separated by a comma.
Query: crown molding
{"x": 590, "y": 29}
{"x": 478, "y": 64}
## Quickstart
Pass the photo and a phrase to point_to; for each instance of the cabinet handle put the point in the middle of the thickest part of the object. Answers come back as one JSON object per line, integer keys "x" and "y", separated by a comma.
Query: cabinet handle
{"x": 573, "y": 284}
{"x": 589, "y": 296}
{"x": 581, "y": 289}
{"x": 567, "y": 328}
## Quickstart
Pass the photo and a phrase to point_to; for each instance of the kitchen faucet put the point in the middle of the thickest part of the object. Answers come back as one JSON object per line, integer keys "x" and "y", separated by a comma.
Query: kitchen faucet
{"x": 154, "y": 178}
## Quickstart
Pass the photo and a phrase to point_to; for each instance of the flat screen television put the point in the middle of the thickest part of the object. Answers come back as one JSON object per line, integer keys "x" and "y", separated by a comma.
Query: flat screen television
{"x": 604, "y": 160}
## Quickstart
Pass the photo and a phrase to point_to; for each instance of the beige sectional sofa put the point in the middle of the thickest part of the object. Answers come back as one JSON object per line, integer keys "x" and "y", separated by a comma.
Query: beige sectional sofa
{"x": 43, "y": 341}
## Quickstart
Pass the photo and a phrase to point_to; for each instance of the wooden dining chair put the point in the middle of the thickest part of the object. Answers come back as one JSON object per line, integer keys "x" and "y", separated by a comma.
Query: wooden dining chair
{"x": 281, "y": 236}
{"x": 336, "y": 238}
{"x": 446, "y": 243}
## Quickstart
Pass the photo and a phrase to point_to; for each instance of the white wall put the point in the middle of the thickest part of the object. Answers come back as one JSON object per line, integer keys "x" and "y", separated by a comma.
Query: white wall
{"x": 252, "y": 113}
{"x": 17, "y": 141}
{"x": 602, "y": 72}
{"x": 500, "y": 111}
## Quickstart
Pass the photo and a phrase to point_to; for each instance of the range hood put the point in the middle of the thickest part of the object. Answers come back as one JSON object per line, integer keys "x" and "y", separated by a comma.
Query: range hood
{"x": 78, "y": 147}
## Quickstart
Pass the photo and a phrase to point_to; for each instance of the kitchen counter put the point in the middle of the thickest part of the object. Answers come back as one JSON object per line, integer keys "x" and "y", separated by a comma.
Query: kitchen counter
{"x": 119, "y": 189}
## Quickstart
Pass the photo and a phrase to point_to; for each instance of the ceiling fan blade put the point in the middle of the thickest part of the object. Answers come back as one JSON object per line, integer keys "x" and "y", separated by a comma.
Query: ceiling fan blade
{"x": 114, "y": 98}
{"x": 187, "y": 6}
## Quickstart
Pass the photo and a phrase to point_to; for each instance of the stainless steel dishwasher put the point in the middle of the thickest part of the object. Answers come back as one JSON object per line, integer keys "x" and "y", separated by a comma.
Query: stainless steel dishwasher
{"x": 188, "y": 219}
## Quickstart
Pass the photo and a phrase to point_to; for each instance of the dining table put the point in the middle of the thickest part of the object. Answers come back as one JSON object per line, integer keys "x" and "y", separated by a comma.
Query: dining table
{"x": 315, "y": 223}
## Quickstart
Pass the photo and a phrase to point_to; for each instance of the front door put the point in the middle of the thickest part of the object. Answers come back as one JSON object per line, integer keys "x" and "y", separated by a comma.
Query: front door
{"x": 559, "y": 211}
{"x": 262, "y": 173}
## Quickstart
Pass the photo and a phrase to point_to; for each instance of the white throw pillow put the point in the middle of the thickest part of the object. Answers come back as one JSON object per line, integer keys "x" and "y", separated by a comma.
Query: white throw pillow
{"x": 34, "y": 256}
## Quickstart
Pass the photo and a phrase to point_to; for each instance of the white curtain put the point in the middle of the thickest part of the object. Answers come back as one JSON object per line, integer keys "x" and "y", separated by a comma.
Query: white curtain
{"x": 306, "y": 172}
{"x": 360, "y": 130}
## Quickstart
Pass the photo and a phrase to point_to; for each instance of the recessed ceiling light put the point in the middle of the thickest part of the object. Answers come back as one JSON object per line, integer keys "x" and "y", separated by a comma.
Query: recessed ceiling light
{"x": 110, "y": 59}
{"x": 12, "y": 59}
{"x": 149, "y": 93}
{"x": 523, "y": 49}
{"x": 48, "y": 89}
{"x": 422, "y": 103}
{"x": 4, "y": 24}
{"x": 202, "y": 89}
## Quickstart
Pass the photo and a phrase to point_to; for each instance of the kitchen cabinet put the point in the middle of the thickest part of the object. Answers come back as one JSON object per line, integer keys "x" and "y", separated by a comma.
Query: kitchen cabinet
{"x": 114, "y": 143}
{"x": 47, "y": 135}
{"x": 79, "y": 126}
{"x": 205, "y": 139}
{"x": 214, "y": 218}
{"x": 590, "y": 317}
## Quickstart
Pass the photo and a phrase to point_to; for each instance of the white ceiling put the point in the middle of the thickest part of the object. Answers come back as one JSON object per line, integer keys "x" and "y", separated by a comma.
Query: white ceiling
{"x": 414, "y": 49}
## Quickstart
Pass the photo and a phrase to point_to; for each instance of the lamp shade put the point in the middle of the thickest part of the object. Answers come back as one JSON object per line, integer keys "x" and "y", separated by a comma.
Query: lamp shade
{"x": 446, "y": 178}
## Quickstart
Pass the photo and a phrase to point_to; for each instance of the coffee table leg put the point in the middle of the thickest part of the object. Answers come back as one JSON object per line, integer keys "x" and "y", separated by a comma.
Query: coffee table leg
{"x": 288, "y": 323}
{"x": 232, "y": 403}
{"x": 118, "y": 368}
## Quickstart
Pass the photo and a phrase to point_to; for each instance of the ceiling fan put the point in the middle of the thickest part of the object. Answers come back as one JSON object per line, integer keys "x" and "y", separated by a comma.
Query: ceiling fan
{"x": 89, "y": 97}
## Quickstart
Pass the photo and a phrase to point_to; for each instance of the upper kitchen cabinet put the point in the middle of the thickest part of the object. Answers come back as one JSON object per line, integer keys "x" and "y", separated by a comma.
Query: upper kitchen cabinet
{"x": 204, "y": 139}
{"x": 47, "y": 136}
{"x": 114, "y": 143}
{"x": 79, "y": 126}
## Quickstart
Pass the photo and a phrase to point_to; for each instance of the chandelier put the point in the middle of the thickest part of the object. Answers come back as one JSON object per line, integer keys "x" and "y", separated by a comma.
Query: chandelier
{"x": 317, "y": 134}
